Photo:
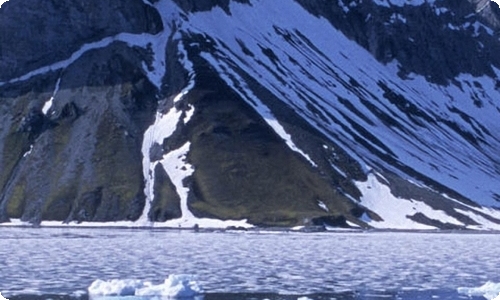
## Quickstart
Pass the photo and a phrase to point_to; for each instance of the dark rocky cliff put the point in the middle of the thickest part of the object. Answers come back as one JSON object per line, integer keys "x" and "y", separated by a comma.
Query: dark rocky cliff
{"x": 86, "y": 87}
{"x": 38, "y": 33}
{"x": 423, "y": 39}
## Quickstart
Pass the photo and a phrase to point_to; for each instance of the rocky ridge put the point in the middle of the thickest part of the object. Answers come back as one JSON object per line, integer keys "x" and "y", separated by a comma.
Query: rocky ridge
{"x": 76, "y": 111}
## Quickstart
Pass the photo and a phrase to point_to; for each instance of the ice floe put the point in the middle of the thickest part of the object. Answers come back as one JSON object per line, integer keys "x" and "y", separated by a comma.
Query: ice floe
{"x": 490, "y": 290}
{"x": 174, "y": 287}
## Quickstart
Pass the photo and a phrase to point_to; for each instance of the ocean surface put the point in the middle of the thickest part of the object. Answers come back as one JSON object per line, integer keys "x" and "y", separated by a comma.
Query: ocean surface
{"x": 61, "y": 263}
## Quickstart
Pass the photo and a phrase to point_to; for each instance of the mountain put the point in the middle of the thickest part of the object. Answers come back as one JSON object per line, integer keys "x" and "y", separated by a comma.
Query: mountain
{"x": 369, "y": 113}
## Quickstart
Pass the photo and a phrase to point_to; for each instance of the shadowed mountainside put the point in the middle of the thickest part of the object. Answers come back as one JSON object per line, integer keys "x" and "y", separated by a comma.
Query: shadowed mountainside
{"x": 311, "y": 113}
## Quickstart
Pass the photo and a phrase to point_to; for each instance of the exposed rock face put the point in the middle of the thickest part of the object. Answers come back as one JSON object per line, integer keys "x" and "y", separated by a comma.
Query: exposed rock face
{"x": 424, "y": 39}
{"x": 38, "y": 33}
{"x": 206, "y": 5}
{"x": 310, "y": 113}
{"x": 82, "y": 160}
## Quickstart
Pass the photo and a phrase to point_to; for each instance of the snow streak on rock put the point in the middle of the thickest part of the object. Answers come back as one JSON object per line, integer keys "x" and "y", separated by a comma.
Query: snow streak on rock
{"x": 154, "y": 42}
{"x": 239, "y": 86}
{"x": 389, "y": 3}
{"x": 141, "y": 40}
{"x": 163, "y": 127}
{"x": 395, "y": 211}
{"x": 177, "y": 168}
{"x": 174, "y": 162}
{"x": 405, "y": 126}
{"x": 175, "y": 165}
{"x": 48, "y": 105}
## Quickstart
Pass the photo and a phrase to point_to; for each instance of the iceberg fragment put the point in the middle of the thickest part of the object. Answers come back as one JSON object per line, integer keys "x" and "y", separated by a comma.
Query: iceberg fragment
{"x": 174, "y": 287}
{"x": 115, "y": 287}
{"x": 490, "y": 290}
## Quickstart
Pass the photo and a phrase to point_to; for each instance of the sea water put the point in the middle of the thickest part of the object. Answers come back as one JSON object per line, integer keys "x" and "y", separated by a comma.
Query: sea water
{"x": 62, "y": 263}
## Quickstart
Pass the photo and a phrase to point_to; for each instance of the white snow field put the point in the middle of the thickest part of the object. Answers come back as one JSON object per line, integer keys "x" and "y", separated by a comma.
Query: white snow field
{"x": 328, "y": 79}
{"x": 175, "y": 286}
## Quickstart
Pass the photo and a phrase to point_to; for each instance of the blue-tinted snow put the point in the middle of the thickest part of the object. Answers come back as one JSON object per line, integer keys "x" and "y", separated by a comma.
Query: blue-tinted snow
{"x": 312, "y": 51}
{"x": 174, "y": 286}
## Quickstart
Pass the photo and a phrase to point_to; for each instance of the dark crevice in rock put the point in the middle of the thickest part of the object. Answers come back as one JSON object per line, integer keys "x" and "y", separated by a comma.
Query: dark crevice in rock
{"x": 191, "y": 6}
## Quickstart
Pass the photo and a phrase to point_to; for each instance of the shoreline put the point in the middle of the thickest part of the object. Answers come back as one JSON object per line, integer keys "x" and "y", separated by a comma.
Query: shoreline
{"x": 232, "y": 229}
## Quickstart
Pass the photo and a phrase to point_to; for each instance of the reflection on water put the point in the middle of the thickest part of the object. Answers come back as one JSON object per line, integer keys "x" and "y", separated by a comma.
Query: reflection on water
{"x": 249, "y": 265}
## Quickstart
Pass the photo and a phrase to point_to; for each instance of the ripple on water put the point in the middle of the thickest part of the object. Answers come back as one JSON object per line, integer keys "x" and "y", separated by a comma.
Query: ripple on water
{"x": 62, "y": 260}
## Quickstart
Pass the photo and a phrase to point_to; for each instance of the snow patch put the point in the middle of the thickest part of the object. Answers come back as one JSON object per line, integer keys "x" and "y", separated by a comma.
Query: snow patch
{"x": 178, "y": 169}
{"x": 175, "y": 165}
{"x": 339, "y": 171}
{"x": 245, "y": 92}
{"x": 395, "y": 211}
{"x": 354, "y": 225}
{"x": 48, "y": 104}
{"x": 188, "y": 66}
{"x": 328, "y": 72}
{"x": 344, "y": 7}
{"x": 441, "y": 10}
{"x": 484, "y": 224}
{"x": 400, "y": 3}
{"x": 163, "y": 127}
{"x": 175, "y": 286}
{"x": 29, "y": 151}
{"x": 189, "y": 114}
{"x": 397, "y": 17}
{"x": 323, "y": 205}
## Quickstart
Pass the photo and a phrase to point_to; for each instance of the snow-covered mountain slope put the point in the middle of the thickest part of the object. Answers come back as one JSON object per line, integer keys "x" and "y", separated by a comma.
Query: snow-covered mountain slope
{"x": 267, "y": 113}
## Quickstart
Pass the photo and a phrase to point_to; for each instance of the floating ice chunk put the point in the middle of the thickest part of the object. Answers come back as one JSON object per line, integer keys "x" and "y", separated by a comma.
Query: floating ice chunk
{"x": 174, "y": 287}
{"x": 115, "y": 287}
{"x": 1, "y": 297}
{"x": 489, "y": 290}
